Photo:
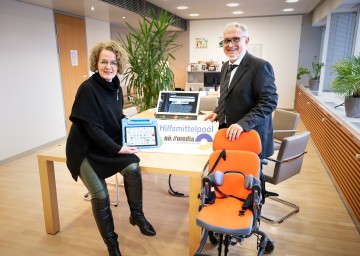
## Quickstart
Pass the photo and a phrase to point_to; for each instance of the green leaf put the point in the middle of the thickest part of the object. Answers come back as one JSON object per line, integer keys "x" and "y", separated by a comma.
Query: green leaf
{"x": 347, "y": 77}
{"x": 149, "y": 49}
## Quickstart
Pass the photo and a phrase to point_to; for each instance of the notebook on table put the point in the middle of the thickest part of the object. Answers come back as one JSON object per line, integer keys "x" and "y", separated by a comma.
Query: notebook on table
{"x": 178, "y": 105}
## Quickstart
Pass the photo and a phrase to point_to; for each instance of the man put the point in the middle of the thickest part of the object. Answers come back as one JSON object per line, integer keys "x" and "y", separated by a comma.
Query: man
{"x": 247, "y": 92}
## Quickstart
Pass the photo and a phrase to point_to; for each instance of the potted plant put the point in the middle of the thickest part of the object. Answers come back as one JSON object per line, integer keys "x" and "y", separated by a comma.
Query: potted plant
{"x": 314, "y": 74}
{"x": 149, "y": 50}
{"x": 347, "y": 84}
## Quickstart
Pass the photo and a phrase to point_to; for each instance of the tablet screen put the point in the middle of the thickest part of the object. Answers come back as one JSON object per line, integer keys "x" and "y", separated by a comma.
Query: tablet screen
{"x": 140, "y": 136}
{"x": 178, "y": 102}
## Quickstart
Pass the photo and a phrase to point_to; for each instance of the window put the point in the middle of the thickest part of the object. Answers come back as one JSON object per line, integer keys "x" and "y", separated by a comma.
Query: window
{"x": 341, "y": 42}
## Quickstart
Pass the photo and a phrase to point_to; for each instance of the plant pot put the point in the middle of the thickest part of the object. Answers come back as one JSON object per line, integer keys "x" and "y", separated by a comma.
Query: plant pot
{"x": 352, "y": 107}
{"x": 314, "y": 85}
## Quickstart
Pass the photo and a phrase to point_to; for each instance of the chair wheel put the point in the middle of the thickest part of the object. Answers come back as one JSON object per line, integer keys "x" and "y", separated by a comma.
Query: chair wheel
{"x": 212, "y": 238}
{"x": 270, "y": 246}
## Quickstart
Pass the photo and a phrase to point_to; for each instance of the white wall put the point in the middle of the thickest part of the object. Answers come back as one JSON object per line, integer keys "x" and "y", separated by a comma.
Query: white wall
{"x": 96, "y": 32}
{"x": 279, "y": 38}
{"x": 31, "y": 101}
{"x": 310, "y": 46}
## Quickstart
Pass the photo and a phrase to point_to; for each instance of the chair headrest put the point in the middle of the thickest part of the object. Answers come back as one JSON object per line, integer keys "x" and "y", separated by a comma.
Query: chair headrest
{"x": 248, "y": 141}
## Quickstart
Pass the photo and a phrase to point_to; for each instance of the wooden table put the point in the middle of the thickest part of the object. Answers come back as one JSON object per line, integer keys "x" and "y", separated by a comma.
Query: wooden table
{"x": 179, "y": 164}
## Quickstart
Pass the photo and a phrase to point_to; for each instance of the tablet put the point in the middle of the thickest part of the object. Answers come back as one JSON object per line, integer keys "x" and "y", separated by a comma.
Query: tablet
{"x": 140, "y": 132}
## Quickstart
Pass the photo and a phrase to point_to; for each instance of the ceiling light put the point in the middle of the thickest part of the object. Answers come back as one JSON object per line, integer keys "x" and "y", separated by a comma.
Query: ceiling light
{"x": 288, "y": 10}
{"x": 183, "y": 7}
{"x": 123, "y": 17}
{"x": 194, "y": 14}
{"x": 92, "y": 8}
{"x": 232, "y": 4}
{"x": 292, "y": 1}
{"x": 238, "y": 12}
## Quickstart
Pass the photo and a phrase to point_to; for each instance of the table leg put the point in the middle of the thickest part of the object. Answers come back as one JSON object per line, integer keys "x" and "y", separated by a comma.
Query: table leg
{"x": 49, "y": 196}
{"x": 194, "y": 202}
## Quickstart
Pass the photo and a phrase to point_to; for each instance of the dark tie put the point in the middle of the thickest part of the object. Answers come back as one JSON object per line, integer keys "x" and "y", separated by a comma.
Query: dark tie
{"x": 223, "y": 93}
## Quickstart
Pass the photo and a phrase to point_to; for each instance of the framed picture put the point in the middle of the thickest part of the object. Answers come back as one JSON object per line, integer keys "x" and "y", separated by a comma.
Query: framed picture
{"x": 212, "y": 68}
{"x": 201, "y": 42}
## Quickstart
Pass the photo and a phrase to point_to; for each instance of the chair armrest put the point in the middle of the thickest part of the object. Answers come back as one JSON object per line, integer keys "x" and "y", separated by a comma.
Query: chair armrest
{"x": 292, "y": 158}
{"x": 272, "y": 160}
{"x": 275, "y": 131}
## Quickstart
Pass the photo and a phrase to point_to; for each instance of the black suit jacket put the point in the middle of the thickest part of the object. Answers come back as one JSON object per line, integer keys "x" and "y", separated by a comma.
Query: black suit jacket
{"x": 252, "y": 98}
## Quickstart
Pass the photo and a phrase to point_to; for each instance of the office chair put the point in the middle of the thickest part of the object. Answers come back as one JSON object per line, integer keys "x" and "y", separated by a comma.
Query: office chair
{"x": 231, "y": 194}
{"x": 208, "y": 103}
{"x": 284, "y": 125}
{"x": 129, "y": 112}
{"x": 287, "y": 164}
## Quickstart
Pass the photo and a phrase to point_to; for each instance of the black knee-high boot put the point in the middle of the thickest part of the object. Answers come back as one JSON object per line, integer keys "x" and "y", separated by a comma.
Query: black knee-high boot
{"x": 133, "y": 189}
{"x": 104, "y": 221}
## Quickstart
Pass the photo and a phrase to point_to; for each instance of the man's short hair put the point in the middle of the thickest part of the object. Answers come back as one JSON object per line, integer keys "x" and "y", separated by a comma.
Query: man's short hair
{"x": 237, "y": 25}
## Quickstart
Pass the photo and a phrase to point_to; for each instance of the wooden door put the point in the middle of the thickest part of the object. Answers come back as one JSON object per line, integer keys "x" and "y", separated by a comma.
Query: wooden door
{"x": 73, "y": 57}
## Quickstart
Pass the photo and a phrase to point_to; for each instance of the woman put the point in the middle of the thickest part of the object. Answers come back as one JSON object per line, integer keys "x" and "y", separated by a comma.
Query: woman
{"x": 94, "y": 148}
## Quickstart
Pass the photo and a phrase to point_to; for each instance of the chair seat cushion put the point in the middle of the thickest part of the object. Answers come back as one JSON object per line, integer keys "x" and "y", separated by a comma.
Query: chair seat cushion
{"x": 223, "y": 217}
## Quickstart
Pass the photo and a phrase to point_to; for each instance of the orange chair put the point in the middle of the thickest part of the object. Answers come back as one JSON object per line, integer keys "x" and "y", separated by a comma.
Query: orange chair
{"x": 231, "y": 195}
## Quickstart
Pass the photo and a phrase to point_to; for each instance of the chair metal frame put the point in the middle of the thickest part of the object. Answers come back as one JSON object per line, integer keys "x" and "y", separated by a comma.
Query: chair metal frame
{"x": 287, "y": 164}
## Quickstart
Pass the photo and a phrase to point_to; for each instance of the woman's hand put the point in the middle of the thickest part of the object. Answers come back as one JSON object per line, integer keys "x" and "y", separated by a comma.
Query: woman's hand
{"x": 128, "y": 150}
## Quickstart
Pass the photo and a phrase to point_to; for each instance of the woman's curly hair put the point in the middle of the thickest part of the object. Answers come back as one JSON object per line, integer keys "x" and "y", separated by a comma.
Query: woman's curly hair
{"x": 120, "y": 53}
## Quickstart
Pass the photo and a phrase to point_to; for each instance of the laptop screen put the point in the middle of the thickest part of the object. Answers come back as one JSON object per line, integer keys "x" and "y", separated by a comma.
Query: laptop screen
{"x": 141, "y": 133}
{"x": 178, "y": 103}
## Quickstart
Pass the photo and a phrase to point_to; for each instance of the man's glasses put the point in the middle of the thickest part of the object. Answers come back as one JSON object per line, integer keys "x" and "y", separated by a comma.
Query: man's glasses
{"x": 234, "y": 40}
{"x": 113, "y": 64}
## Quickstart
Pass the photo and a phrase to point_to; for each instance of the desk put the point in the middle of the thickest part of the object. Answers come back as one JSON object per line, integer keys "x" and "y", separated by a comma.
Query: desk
{"x": 179, "y": 164}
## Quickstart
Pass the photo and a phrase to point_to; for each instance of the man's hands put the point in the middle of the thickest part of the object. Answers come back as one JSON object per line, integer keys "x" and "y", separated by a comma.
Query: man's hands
{"x": 234, "y": 131}
{"x": 211, "y": 117}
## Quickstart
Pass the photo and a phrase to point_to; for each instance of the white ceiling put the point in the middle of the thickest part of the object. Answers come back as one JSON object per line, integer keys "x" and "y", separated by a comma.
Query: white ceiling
{"x": 207, "y": 9}
{"x": 212, "y": 9}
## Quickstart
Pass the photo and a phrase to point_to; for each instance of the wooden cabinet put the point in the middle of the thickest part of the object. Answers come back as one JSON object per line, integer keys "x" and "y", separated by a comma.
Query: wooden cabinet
{"x": 338, "y": 144}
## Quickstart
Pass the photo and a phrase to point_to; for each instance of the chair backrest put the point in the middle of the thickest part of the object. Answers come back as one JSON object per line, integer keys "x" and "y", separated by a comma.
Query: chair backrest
{"x": 208, "y": 103}
{"x": 284, "y": 120}
{"x": 131, "y": 111}
{"x": 241, "y": 155}
{"x": 235, "y": 161}
{"x": 290, "y": 157}
{"x": 248, "y": 141}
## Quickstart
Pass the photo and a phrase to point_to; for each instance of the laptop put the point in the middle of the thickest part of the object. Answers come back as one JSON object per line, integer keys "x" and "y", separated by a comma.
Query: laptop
{"x": 178, "y": 105}
{"x": 140, "y": 132}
